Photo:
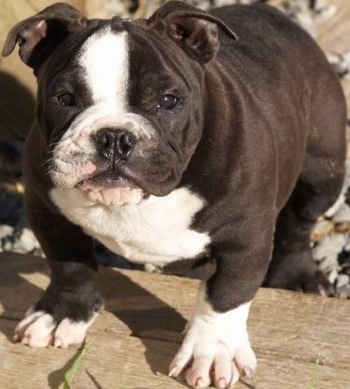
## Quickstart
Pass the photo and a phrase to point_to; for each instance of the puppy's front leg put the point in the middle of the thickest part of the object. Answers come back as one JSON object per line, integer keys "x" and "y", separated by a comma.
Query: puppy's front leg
{"x": 72, "y": 301}
{"x": 216, "y": 346}
{"x": 216, "y": 349}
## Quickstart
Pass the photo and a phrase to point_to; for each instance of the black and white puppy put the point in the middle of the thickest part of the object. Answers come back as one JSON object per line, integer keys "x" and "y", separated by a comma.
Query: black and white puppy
{"x": 184, "y": 138}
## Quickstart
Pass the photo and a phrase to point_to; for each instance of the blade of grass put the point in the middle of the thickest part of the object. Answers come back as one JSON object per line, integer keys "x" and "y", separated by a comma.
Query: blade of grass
{"x": 314, "y": 375}
{"x": 72, "y": 371}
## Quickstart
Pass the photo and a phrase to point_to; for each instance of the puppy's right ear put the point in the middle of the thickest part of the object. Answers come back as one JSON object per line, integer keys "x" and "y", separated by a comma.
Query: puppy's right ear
{"x": 39, "y": 35}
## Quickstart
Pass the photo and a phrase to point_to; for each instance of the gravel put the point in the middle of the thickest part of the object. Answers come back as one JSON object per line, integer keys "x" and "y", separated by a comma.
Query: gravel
{"x": 330, "y": 239}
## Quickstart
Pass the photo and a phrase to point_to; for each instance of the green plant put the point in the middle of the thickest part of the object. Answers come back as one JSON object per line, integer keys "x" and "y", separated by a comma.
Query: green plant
{"x": 72, "y": 371}
{"x": 314, "y": 375}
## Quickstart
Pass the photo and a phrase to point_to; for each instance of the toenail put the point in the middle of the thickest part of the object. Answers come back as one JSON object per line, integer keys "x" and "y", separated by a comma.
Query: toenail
{"x": 247, "y": 371}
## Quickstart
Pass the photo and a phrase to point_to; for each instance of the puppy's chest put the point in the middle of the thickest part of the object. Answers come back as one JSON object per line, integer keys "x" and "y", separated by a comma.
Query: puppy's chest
{"x": 156, "y": 231}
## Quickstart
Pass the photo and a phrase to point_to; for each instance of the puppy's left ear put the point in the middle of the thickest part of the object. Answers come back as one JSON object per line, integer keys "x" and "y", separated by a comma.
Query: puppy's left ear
{"x": 196, "y": 31}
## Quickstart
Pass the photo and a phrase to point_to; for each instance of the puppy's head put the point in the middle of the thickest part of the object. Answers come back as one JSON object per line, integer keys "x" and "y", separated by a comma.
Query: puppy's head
{"x": 120, "y": 103}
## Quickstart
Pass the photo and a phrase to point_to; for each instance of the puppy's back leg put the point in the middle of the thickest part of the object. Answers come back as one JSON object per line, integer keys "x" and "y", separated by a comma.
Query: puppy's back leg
{"x": 317, "y": 189}
{"x": 292, "y": 266}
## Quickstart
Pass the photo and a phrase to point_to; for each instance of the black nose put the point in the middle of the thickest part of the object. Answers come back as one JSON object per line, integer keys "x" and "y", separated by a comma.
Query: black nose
{"x": 115, "y": 143}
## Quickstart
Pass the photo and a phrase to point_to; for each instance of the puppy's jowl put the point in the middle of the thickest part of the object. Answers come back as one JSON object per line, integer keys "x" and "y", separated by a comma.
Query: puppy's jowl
{"x": 187, "y": 137}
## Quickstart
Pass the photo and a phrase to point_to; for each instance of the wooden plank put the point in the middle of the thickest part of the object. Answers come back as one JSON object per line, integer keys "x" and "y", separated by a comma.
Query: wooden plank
{"x": 134, "y": 340}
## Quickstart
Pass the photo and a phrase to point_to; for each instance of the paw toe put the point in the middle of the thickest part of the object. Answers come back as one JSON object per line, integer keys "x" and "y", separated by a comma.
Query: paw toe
{"x": 35, "y": 330}
{"x": 198, "y": 375}
{"x": 180, "y": 362}
{"x": 245, "y": 360}
{"x": 71, "y": 332}
{"x": 223, "y": 368}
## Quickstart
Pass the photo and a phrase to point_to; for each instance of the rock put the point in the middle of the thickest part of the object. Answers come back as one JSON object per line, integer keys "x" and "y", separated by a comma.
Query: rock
{"x": 342, "y": 228}
{"x": 223, "y": 3}
{"x": 299, "y": 11}
{"x": 344, "y": 293}
{"x": 343, "y": 288}
{"x": 340, "y": 200}
{"x": 18, "y": 240}
{"x": 6, "y": 233}
{"x": 342, "y": 215}
{"x": 323, "y": 10}
{"x": 332, "y": 244}
{"x": 326, "y": 251}
{"x": 347, "y": 244}
{"x": 25, "y": 242}
{"x": 329, "y": 263}
{"x": 321, "y": 229}
{"x": 340, "y": 63}
{"x": 342, "y": 281}
{"x": 332, "y": 276}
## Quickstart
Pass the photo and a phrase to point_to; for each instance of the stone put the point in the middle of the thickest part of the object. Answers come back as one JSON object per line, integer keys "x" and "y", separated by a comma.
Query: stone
{"x": 25, "y": 242}
{"x": 340, "y": 63}
{"x": 5, "y": 231}
{"x": 321, "y": 229}
{"x": 6, "y": 237}
{"x": 342, "y": 281}
{"x": 342, "y": 215}
{"x": 332, "y": 276}
{"x": 332, "y": 244}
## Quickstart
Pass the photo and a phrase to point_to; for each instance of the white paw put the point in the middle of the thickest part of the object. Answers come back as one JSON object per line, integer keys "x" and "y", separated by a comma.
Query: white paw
{"x": 39, "y": 329}
{"x": 216, "y": 348}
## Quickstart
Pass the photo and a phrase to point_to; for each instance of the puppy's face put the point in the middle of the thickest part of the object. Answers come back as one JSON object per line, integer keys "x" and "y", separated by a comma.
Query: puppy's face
{"x": 120, "y": 103}
{"x": 121, "y": 113}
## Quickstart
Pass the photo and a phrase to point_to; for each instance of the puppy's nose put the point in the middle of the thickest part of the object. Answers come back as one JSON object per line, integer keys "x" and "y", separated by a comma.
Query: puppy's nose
{"x": 114, "y": 143}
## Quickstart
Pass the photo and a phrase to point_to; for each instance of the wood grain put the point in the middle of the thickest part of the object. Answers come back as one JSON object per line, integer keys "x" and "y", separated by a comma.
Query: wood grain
{"x": 134, "y": 340}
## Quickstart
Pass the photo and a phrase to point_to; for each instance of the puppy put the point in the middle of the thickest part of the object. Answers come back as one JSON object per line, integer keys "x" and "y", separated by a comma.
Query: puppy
{"x": 186, "y": 138}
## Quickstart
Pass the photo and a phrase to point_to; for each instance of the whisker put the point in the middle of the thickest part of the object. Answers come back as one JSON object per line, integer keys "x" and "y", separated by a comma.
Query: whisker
{"x": 46, "y": 163}
{"x": 50, "y": 146}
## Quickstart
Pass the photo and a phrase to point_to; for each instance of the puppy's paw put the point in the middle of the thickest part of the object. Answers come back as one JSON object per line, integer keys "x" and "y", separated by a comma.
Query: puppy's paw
{"x": 298, "y": 272}
{"x": 216, "y": 348}
{"x": 207, "y": 362}
{"x": 40, "y": 329}
{"x": 59, "y": 318}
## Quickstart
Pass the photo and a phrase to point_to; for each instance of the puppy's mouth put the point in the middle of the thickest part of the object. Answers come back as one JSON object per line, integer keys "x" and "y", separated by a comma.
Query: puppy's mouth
{"x": 112, "y": 189}
{"x": 106, "y": 180}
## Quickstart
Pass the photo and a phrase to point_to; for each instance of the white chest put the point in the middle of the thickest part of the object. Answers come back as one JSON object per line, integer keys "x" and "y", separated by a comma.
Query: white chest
{"x": 155, "y": 231}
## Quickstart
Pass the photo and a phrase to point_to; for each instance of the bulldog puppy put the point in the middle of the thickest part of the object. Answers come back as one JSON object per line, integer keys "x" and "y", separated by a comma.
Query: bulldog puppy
{"x": 186, "y": 138}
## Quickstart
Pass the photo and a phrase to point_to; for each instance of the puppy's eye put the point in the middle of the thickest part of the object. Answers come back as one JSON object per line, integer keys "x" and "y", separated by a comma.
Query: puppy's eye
{"x": 167, "y": 101}
{"x": 67, "y": 99}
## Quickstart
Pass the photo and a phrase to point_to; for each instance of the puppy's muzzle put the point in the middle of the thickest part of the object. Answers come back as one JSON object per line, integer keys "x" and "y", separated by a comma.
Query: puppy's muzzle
{"x": 114, "y": 143}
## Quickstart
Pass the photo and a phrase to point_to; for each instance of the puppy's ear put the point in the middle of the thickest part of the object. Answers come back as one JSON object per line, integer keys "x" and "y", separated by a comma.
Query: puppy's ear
{"x": 196, "y": 31}
{"x": 39, "y": 35}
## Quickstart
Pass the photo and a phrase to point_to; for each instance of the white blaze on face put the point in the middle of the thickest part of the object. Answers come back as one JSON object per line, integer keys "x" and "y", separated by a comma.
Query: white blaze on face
{"x": 105, "y": 61}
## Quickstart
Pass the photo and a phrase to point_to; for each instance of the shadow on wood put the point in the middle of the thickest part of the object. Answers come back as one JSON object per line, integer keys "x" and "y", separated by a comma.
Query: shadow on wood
{"x": 297, "y": 338}
{"x": 146, "y": 315}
